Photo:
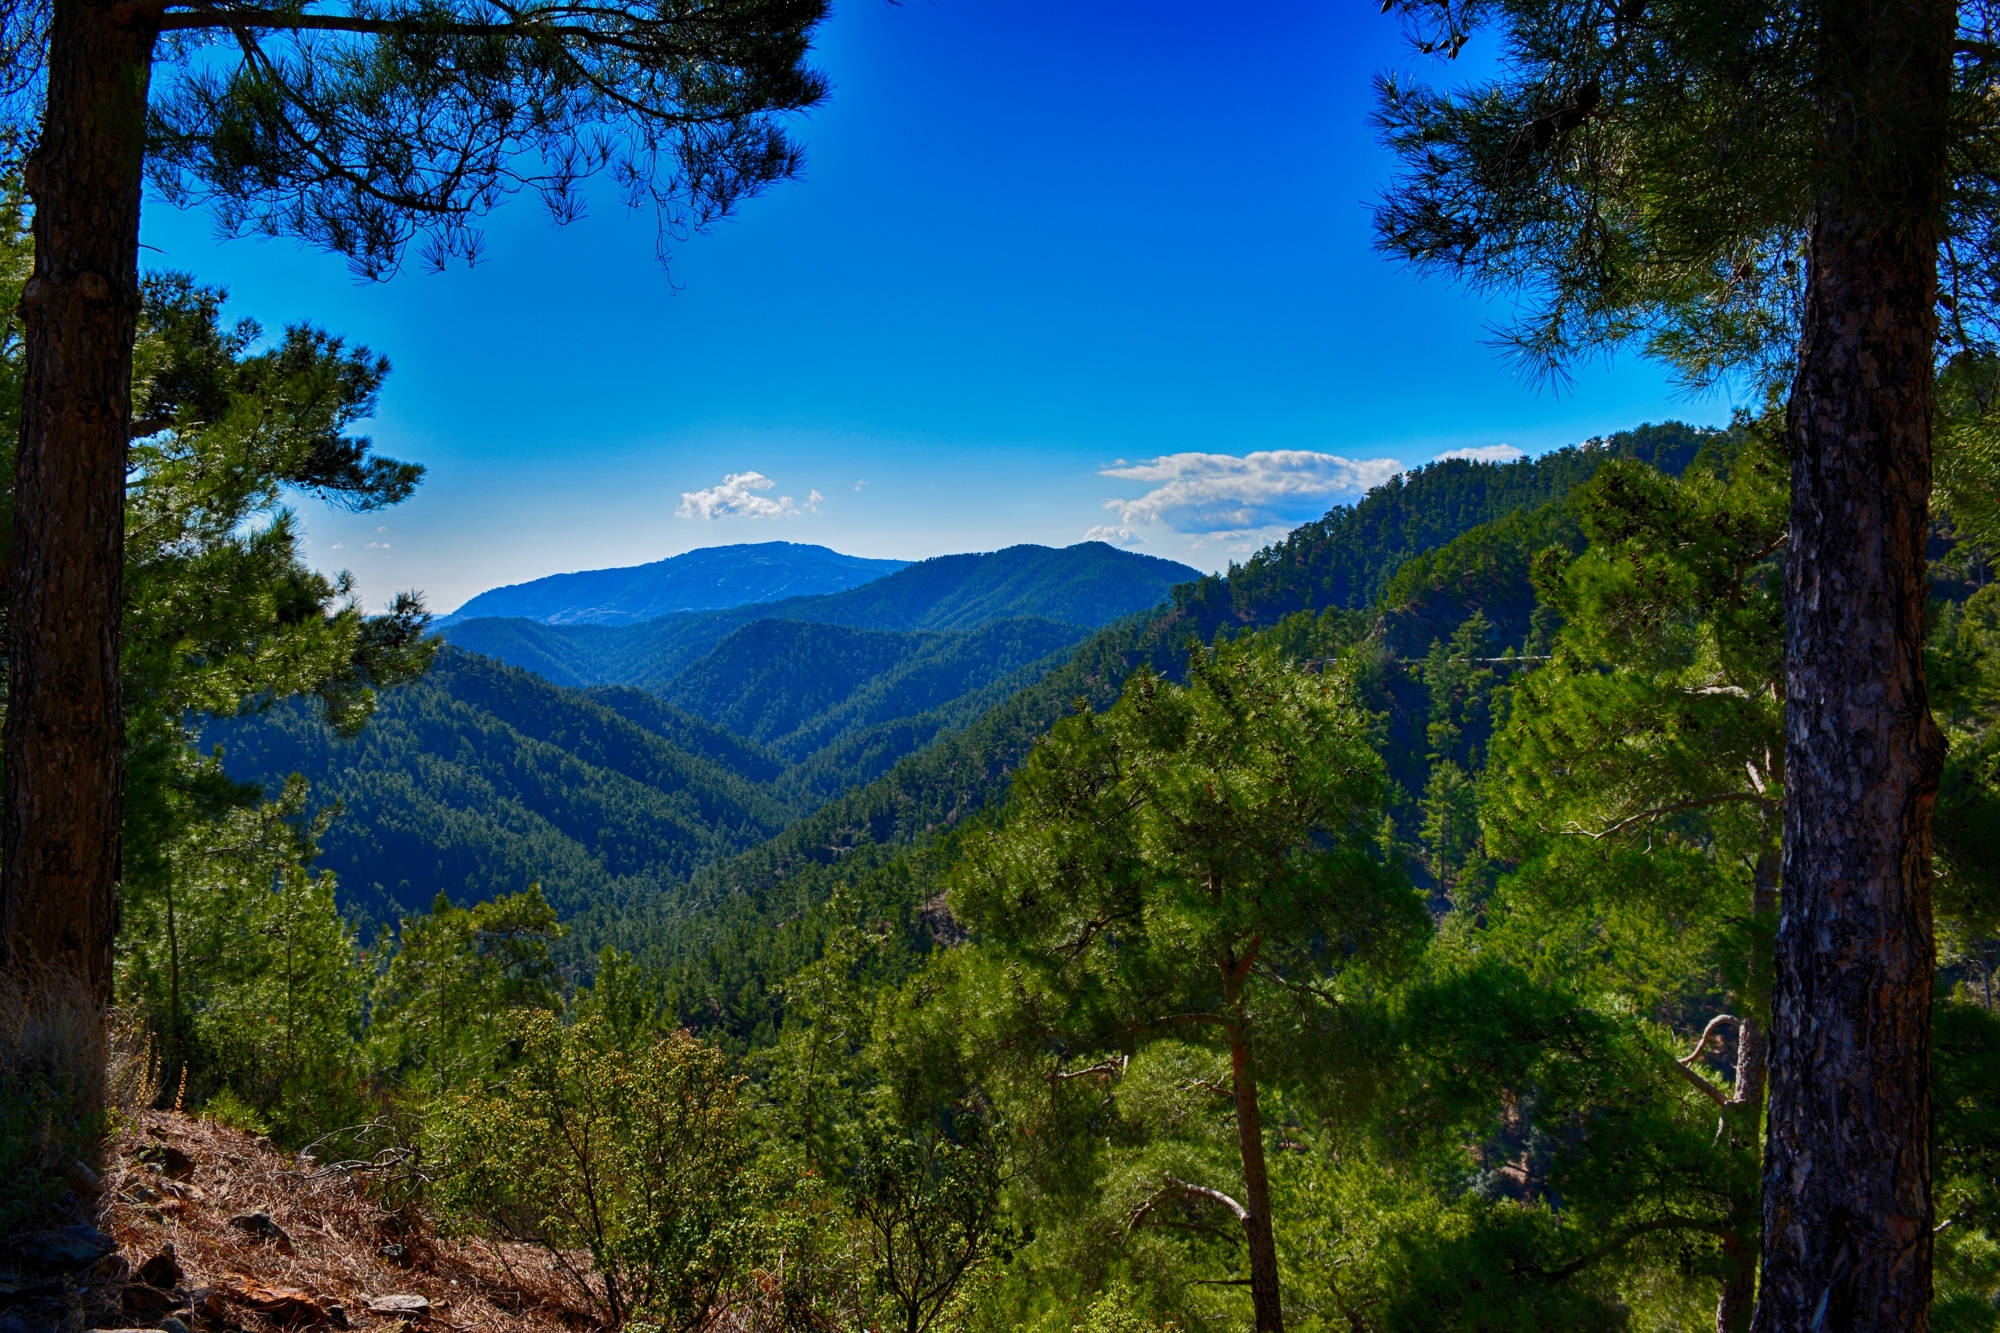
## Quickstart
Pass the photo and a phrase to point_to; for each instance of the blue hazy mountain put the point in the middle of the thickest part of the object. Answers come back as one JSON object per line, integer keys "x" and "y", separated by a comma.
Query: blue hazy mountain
{"x": 1089, "y": 584}
{"x": 709, "y": 579}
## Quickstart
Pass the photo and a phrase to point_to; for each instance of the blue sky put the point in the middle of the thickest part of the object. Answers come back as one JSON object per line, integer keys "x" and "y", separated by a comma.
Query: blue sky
{"x": 1052, "y": 268}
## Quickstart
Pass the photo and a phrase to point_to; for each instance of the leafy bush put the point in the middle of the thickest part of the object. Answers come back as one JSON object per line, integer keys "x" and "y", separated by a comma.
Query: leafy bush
{"x": 930, "y": 1205}
{"x": 240, "y": 961}
{"x": 630, "y": 1155}
{"x": 227, "y": 1109}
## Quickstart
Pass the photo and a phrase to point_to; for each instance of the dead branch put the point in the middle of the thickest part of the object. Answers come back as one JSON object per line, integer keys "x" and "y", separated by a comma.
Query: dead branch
{"x": 1662, "y": 811}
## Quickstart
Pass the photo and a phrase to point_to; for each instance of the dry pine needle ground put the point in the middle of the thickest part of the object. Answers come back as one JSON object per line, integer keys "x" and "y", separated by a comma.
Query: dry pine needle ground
{"x": 334, "y": 1236}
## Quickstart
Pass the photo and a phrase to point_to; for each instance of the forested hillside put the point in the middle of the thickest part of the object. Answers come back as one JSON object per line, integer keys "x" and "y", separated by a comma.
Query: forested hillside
{"x": 1089, "y": 585}
{"x": 991, "y": 940}
{"x": 1461, "y": 536}
{"x": 1596, "y": 881}
{"x": 800, "y": 687}
{"x": 1554, "y": 896}
{"x": 1347, "y": 558}
{"x": 481, "y": 779}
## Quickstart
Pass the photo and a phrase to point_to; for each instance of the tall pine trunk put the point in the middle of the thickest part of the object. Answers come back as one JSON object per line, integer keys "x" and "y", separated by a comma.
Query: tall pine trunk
{"x": 1258, "y": 1235}
{"x": 64, "y": 736}
{"x": 1847, "y": 1209}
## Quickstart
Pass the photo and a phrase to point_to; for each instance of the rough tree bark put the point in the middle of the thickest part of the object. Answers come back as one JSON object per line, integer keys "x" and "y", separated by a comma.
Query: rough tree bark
{"x": 1258, "y": 1235}
{"x": 1257, "y": 1232}
{"x": 1847, "y": 1209}
{"x": 64, "y": 735}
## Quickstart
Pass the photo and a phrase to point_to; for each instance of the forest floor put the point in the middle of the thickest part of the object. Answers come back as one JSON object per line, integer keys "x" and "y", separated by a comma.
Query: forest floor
{"x": 261, "y": 1239}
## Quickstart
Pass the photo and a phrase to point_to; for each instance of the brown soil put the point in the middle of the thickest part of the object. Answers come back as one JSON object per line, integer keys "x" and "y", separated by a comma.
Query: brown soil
{"x": 335, "y": 1234}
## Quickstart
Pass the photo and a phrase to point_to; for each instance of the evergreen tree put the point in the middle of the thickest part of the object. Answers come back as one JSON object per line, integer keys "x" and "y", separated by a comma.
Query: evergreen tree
{"x": 1196, "y": 865}
{"x": 1639, "y": 781}
{"x": 446, "y": 1008}
{"x": 223, "y": 617}
{"x": 1771, "y": 191}
{"x": 356, "y": 127}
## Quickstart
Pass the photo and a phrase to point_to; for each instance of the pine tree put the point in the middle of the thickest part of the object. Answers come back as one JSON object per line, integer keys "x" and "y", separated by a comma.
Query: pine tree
{"x": 1771, "y": 191}
{"x": 1197, "y": 865}
{"x": 1641, "y": 772}
{"x": 358, "y": 127}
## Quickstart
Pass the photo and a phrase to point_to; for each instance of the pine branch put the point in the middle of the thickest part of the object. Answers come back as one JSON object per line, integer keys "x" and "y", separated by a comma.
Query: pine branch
{"x": 1216, "y": 1196}
{"x": 1661, "y": 811}
{"x": 1700, "y": 1084}
{"x": 1708, "y": 1033}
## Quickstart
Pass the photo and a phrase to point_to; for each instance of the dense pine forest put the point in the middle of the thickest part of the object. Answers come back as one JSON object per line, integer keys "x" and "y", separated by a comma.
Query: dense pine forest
{"x": 1557, "y": 894}
{"x": 1375, "y": 937}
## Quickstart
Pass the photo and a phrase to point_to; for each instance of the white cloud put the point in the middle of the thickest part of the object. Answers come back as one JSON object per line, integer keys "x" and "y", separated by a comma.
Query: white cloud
{"x": 1112, "y": 536}
{"x": 859, "y": 484}
{"x": 1484, "y": 453}
{"x": 1223, "y": 497}
{"x": 738, "y": 494}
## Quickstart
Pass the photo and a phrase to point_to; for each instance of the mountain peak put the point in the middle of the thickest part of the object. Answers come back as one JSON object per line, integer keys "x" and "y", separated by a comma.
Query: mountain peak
{"x": 708, "y": 578}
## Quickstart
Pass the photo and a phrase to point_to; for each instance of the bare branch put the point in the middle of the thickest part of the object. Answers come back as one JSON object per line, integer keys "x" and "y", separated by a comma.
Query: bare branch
{"x": 1215, "y": 1196}
{"x": 1700, "y": 1084}
{"x": 1708, "y": 1033}
{"x": 1175, "y": 1185}
{"x": 277, "y": 20}
{"x": 1208, "y": 1085}
{"x": 1106, "y": 1069}
{"x": 1661, "y": 811}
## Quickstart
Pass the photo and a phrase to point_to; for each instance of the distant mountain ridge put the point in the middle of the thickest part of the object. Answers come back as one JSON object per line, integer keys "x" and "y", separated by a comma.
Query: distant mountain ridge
{"x": 786, "y": 751}
{"x": 709, "y": 579}
{"x": 1088, "y": 585}
{"x": 1417, "y": 554}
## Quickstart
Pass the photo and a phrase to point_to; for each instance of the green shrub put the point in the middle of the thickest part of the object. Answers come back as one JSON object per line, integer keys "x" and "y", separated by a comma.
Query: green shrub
{"x": 630, "y": 1155}
{"x": 227, "y": 1109}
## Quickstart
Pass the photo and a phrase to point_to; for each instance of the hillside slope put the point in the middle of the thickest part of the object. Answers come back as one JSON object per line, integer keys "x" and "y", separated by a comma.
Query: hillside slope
{"x": 480, "y": 779}
{"x": 483, "y": 778}
{"x": 674, "y": 836}
{"x": 1347, "y": 558}
{"x": 331, "y": 1260}
{"x": 746, "y": 922}
{"x": 708, "y": 579}
{"x": 1090, "y": 584}
{"x": 800, "y": 687}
